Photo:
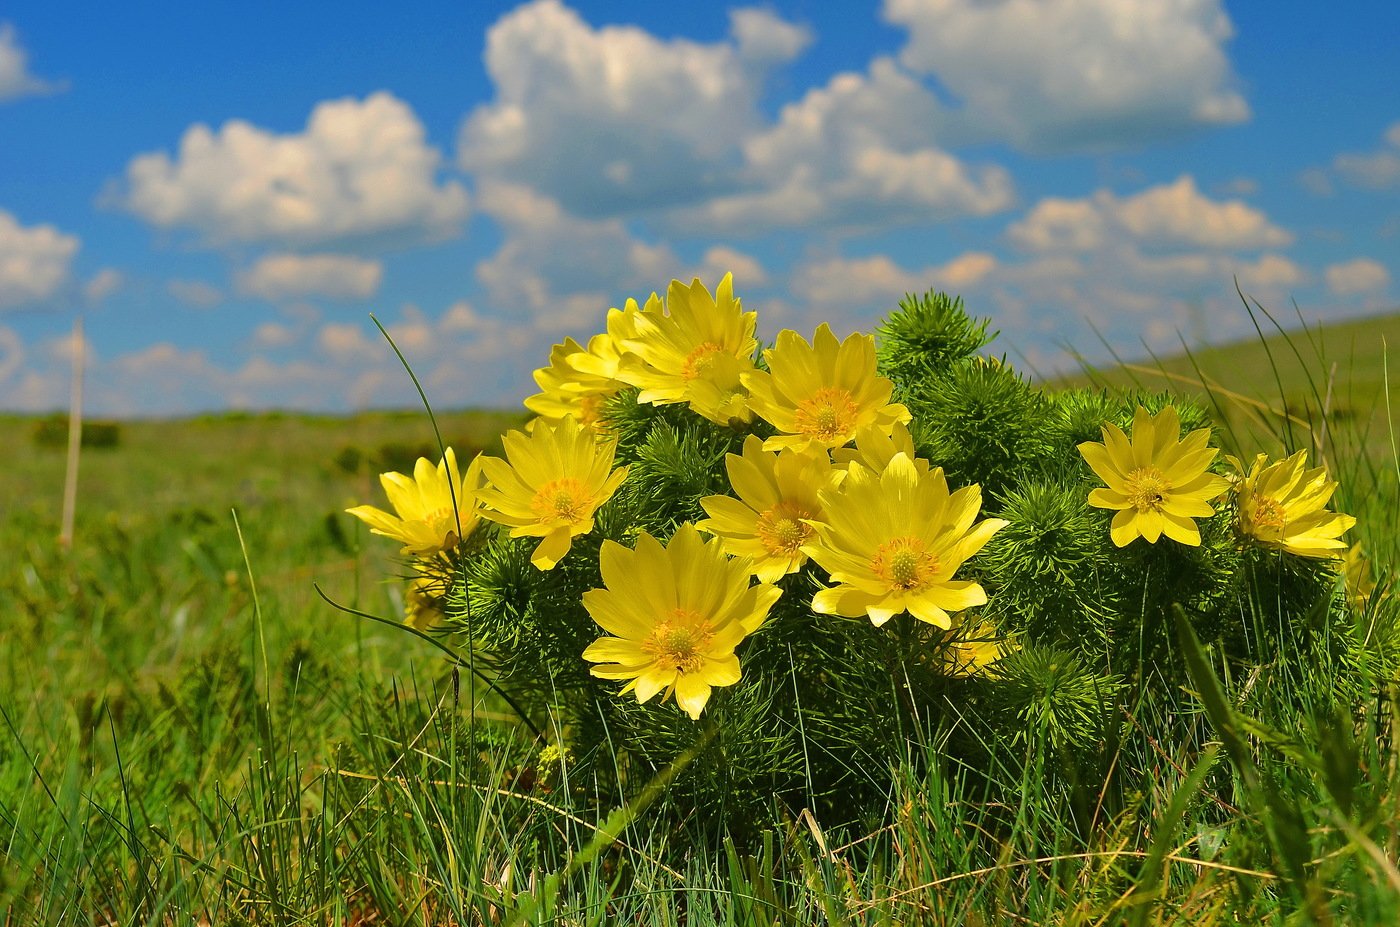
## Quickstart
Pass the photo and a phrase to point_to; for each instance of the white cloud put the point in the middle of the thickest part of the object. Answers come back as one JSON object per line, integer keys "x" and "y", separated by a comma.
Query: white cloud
{"x": 103, "y": 284}
{"x": 763, "y": 37}
{"x": 273, "y": 335}
{"x": 613, "y": 119}
{"x": 1357, "y": 277}
{"x": 1271, "y": 273}
{"x": 1175, "y": 214}
{"x": 1076, "y": 74}
{"x": 196, "y": 293}
{"x": 1316, "y": 181}
{"x": 15, "y": 79}
{"x": 360, "y": 168}
{"x": 562, "y": 271}
{"x": 279, "y": 277}
{"x": 1375, "y": 170}
{"x": 878, "y": 283}
{"x": 1178, "y": 213}
{"x": 11, "y": 353}
{"x": 860, "y": 151}
{"x": 64, "y": 347}
{"x": 35, "y": 261}
{"x": 720, "y": 260}
{"x": 348, "y": 342}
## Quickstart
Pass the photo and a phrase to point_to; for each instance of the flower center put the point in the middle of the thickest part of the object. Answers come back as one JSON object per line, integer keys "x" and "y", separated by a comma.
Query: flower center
{"x": 699, "y": 362}
{"x": 1147, "y": 488}
{"x": 441, "y": 521}
{"x": 590, "y": 408}
{"x": 904, "y": 563}
{"x": 829, "y": 415}
{"x": 564, "y": 500}
{"x": 781, "y": 529}
{"x": 1269, "y": 513}
{"x": 679, "y": 641}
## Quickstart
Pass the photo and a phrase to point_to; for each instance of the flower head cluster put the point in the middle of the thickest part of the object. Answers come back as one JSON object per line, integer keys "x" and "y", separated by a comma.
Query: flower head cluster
{"x": 434, "y": 509}
{"x": 696, "y": 350}
{"x": 892, "y": 542}
{"x": 772, "y": 518}
{"x": 1284, "y": 505}
{"x": 827, "y": 491}
{"x": 579, "y": 380}
{"x": 674, "y": 614}
{"x": 1158, "y": 483}
{"x": 819, "y": 395}
{"x": 550, "y": 485}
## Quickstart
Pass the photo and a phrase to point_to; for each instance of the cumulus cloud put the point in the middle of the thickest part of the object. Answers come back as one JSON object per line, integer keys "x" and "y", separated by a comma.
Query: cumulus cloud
{"x": 11, "y": 353}
{"x": 273, "y": 335}
{"x": 103, "y": 284}
{"x": 360, "y": 168}
{"x": 1374, "y": 170}
{"x": 1362, "y": 276}
{"x": 878, "y": 283}
{"x": 859, "y": 151}
{"x": 195, "y": 293}
{"x": 278, "y": 277}
{"x": 614, "y": 119}
{"x": 562, "y": 271}
{"x": 35, "y": 261}
{"x": 1175, "y": 214}
{"x": 720, "y": 260}
{"x": 15, "y": 79}
{"x": 1075, "y": 74}
{"x": 462, "y": 357}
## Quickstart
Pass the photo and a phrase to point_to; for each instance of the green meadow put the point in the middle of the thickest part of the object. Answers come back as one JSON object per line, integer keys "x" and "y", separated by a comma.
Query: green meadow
{"x": 193, "y": 734}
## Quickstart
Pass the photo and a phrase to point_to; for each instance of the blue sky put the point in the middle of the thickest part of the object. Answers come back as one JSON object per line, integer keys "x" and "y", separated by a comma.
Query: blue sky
{"x": 225, "y": 192}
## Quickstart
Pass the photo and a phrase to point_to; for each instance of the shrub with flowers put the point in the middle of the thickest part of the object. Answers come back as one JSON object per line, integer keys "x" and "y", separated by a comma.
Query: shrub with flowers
{"x": 802, "y": 566}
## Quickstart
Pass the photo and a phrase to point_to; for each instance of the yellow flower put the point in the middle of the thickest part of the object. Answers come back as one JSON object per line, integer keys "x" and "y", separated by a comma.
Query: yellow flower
{"x": 436, "y": 508}
{"x": 876, "y": 447}
{"x": 893, "y": 540}
{"x": 566, "y": 390}
{"x": 675, "y": 614}
{"x": 1284, "y": 505}
{"x": 1356, "y": 572}
{"x": 768, "y": 523}
{"x": 695, "y": 352}
{"x": 1158, "y": 483}
{"x": 976, "y": 647}
{"x": 422, "y": 603}
{"x": 555, "y": 480}
{"x": 821, "y": 394}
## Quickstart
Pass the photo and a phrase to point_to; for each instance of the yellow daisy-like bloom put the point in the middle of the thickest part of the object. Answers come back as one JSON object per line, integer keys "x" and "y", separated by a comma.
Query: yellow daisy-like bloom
{"x": 695, "y": 352}
{"x": 606, "y": 362}
{"x": 975, "y": 648}
{"x": 1284, "y": 505}
{"x": 821, "y": 394}
{"x": 1158, "y": 483}
{"x": 1355, "y": 567}
{"x": 555, "y": 480}
{"x": 565, "y": 389}
{"x": 876, "y": 447}
{"x": 422, "y": 603}
{"x": 893, "y": 540}
{"x": 436, "y": 507}
{"x": 675, "y": 614}
{"x": 770, "y": 521}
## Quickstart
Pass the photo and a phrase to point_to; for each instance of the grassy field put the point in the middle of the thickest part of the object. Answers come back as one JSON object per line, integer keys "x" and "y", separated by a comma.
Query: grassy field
{"x": 191, "y": 735}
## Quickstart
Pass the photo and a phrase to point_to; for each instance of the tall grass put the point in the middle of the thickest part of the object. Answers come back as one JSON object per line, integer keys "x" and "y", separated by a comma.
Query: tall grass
{"x": 188, "y": 734}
